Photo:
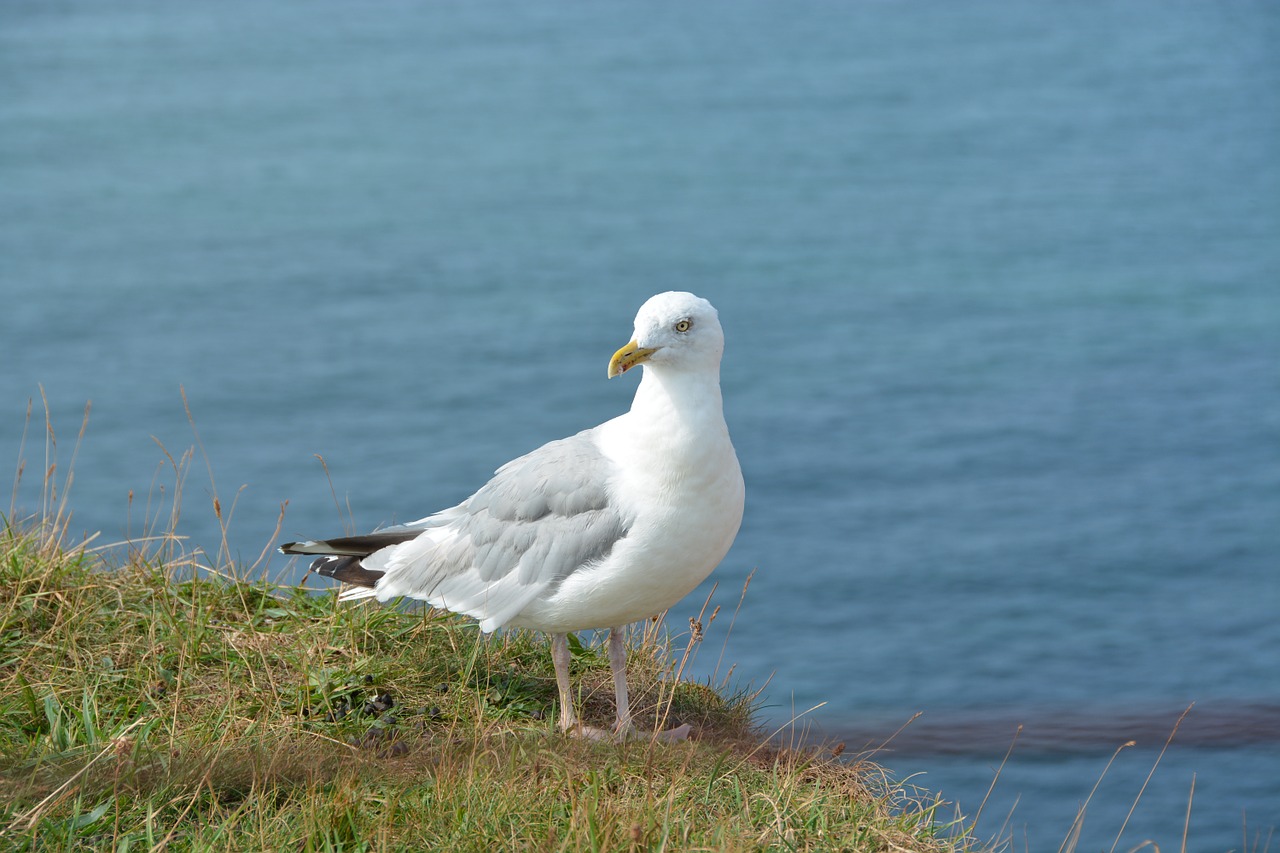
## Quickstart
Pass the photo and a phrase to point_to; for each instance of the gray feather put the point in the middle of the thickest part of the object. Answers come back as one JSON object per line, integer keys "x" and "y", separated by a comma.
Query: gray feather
{"x": 541, "y": 518}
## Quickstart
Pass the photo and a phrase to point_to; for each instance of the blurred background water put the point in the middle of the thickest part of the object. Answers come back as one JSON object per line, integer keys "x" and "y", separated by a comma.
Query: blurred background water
{"x": 1001, "y": 283}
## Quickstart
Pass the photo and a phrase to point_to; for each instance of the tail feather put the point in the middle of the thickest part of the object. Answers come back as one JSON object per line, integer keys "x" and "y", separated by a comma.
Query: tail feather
{"x": 340, "y": 558}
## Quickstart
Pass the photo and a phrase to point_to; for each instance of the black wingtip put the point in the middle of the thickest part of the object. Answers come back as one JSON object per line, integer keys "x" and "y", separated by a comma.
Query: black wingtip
{"x": 347, "y": 570}
{"x": 351, "y": 546}
{"x": 340, "y": 558}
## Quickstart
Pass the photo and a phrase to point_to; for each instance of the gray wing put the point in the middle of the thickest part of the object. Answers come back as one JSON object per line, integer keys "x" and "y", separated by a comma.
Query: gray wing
{"x": 541, "y": 518}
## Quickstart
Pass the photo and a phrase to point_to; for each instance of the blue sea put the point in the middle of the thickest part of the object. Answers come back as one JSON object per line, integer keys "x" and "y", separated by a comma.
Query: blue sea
{"x": 1001, "y": 286}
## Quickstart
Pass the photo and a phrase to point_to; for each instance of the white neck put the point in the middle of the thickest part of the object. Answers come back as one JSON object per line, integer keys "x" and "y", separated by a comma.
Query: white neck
{"x": 687, "y": 396}
{"x": 676, "y": 421}
{"x": 675, "y": 430}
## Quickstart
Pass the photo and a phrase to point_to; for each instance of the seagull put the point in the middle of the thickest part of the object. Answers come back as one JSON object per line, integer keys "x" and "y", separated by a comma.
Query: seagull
{"x": 595, "y": 531}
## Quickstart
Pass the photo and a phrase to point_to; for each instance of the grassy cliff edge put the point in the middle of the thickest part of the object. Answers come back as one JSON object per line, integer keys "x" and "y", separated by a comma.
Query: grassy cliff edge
{"x": 144, "y": 705}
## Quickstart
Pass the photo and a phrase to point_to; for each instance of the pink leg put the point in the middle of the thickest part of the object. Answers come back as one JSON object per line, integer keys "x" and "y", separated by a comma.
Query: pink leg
{"x": 618, "y": 663}
{"x": 560, "y": 657}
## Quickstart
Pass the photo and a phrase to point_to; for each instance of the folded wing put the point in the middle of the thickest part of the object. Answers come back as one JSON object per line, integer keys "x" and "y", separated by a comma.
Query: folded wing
{"x": 541, "y": 518}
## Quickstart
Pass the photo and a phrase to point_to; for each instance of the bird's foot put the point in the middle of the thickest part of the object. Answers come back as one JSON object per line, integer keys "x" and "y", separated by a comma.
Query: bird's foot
{"x": 624, "y": 733}
{"x": 591, "y": 733}
{"x": 677, "y": 735}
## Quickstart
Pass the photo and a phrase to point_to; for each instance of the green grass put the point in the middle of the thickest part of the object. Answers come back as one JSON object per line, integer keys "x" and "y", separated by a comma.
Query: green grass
{"x": 143, "y": 705}
{"x": 152, "y": 698}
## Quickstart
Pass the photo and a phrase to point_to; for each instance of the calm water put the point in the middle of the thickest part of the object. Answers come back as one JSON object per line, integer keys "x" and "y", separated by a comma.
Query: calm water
{"x": 1001, "y": 283}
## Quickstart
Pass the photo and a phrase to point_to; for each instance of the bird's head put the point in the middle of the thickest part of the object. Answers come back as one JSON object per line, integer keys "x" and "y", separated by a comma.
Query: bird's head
{"x": 673, "y": 329}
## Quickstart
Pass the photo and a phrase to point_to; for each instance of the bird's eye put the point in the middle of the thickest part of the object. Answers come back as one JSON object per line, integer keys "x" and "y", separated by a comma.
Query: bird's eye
{"x": 684, "y": 325}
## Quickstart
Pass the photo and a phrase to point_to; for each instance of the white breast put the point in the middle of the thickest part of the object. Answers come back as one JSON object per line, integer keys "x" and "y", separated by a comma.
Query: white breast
{"x": 682, "y": 481}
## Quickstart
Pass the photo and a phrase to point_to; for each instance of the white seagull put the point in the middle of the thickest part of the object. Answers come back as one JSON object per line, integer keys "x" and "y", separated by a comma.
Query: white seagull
{"x": 598, "y": 530}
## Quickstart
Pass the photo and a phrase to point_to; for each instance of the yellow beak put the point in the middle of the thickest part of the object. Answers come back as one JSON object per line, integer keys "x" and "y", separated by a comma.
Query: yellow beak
{"x": 628, "y": 357}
